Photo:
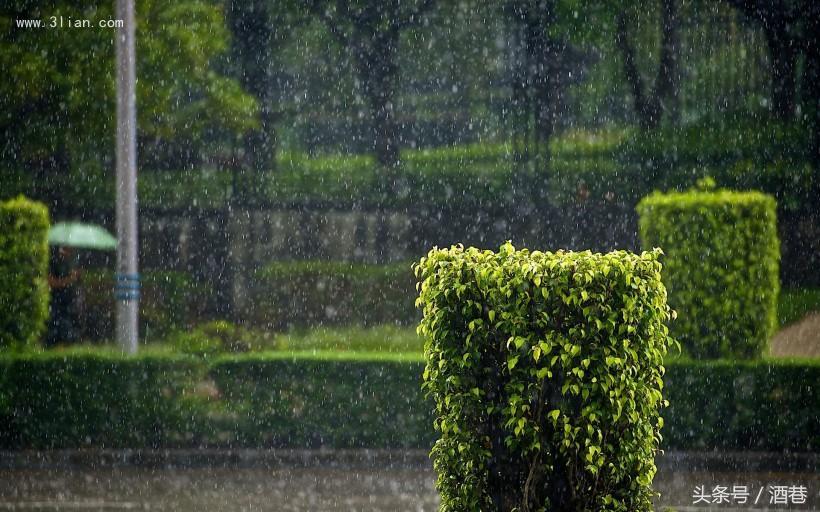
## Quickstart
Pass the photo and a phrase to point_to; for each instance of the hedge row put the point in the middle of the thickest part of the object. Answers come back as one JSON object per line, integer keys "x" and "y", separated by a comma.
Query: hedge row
{"x": 169, "y": 299}
{"x": 53, "y": 400}
{"x": 75, "y": 399}
{"x": 302, "y": 293}
{"x": 346, "y": 400}
{"x": 721, "y": 267}
{"x": 764, "y": 405}
{"x": 24, "y": 293}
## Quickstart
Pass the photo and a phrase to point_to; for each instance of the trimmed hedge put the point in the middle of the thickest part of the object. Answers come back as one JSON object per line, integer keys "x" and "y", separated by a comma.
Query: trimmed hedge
{"x": 24, "y": 293}
{"x": 721, "y": 267}
{"x": 743, "y": 405}
{"x": 338, "y": 400}
{"x": 73, "y": 399}
{"x": 546, "y": 373}
{"x": 312, "y": 293}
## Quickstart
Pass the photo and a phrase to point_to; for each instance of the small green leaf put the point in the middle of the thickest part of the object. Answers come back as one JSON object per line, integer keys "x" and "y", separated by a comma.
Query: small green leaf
{"x": 512, "y": 361}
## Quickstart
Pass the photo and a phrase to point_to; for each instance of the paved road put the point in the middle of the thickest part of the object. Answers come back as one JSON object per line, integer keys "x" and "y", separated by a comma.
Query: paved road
{"x": 342, "y": 483}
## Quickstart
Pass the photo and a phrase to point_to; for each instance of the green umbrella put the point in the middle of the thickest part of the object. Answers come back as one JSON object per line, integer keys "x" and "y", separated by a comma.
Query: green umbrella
{"x": 78, "y": 234}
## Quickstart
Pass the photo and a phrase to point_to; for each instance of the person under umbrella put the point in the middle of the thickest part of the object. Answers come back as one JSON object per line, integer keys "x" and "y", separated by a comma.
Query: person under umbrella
{"x": 63, "y": 278}
{"x": 64, "y": 275}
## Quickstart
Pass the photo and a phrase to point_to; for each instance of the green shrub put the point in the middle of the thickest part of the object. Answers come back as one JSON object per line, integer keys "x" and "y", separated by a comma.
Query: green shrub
{"x": 382, "y": 338}
{"x": 74, "y": 399}
{"x": 721, "y": 267}
{"x": 219, "y": 337}
{"x": 310, "y": 293}
{"x": 284, "y": 400}
{"x": 545, "y": 369}
{"x": 24, "y": 290}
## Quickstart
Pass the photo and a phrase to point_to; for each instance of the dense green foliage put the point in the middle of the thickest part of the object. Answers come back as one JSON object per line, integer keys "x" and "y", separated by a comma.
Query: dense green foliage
{"x": 721, "y": 268}
{"x": 23, "y": 272}
{"x": 64, "y": 399}
{"x": 546, "y": 373}
{"x": 59, "y": 400}
{"x": 212, "y": 338}
{"x": 299, "y": 293}
{"x": 57, "y": 128}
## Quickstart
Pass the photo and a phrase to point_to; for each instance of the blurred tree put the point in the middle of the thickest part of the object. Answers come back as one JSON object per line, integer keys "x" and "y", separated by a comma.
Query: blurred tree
{"x": 811, "y": 84}
{"x": 792, "y": 28}
{"x": 57, "y": 111}
{"x": 537, "y": 60}
{"x": 780, "y": 21}
{"x": 651, "y": 105}
{"x": 259, "y": 30}
{"x": 370, "y": 31}
{"x": 550, "y": 45}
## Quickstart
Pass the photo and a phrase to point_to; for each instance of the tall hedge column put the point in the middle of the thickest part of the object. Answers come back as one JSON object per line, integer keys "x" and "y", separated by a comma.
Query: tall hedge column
{"x": 23, "y": 272}
{"x": 546, "y": 372}
{"x": 722, "y": 267}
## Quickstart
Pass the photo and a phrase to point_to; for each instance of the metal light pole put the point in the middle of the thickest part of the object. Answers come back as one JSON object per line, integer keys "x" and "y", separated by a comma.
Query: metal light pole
{"x": 127, "y": 285}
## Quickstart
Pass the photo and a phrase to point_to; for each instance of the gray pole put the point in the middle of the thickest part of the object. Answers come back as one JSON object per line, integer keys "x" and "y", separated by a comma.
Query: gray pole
{"x": 127, "y": 285}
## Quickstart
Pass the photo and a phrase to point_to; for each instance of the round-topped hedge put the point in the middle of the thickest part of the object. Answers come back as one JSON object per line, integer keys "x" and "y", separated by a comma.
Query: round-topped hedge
{"x": 24, "y": 290}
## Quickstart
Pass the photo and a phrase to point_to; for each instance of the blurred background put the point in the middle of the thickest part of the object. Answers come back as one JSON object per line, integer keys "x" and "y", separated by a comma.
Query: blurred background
{"x": 287, "y": 149}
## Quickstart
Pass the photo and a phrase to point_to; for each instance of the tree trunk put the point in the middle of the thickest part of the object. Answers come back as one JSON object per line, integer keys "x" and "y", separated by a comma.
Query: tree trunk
{"x": 385, "y": 131}
{"x": 266, "y": 161}
{"x": 811, "y": 88}
{"x": 783, "y": 53}
{"x": 646, "y": 108}
{"x": 253, "y": 47}
{"x": 377, "y": 69}
{"x": 651, "y": 105}
{"x": 667, "y": 86}
{"x": 547, "y": 57}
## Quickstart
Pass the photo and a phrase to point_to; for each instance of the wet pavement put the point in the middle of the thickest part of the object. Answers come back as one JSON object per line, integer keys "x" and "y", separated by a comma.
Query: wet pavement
{"x": 352, "y": 481}
{"x": 218, "y": 489}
